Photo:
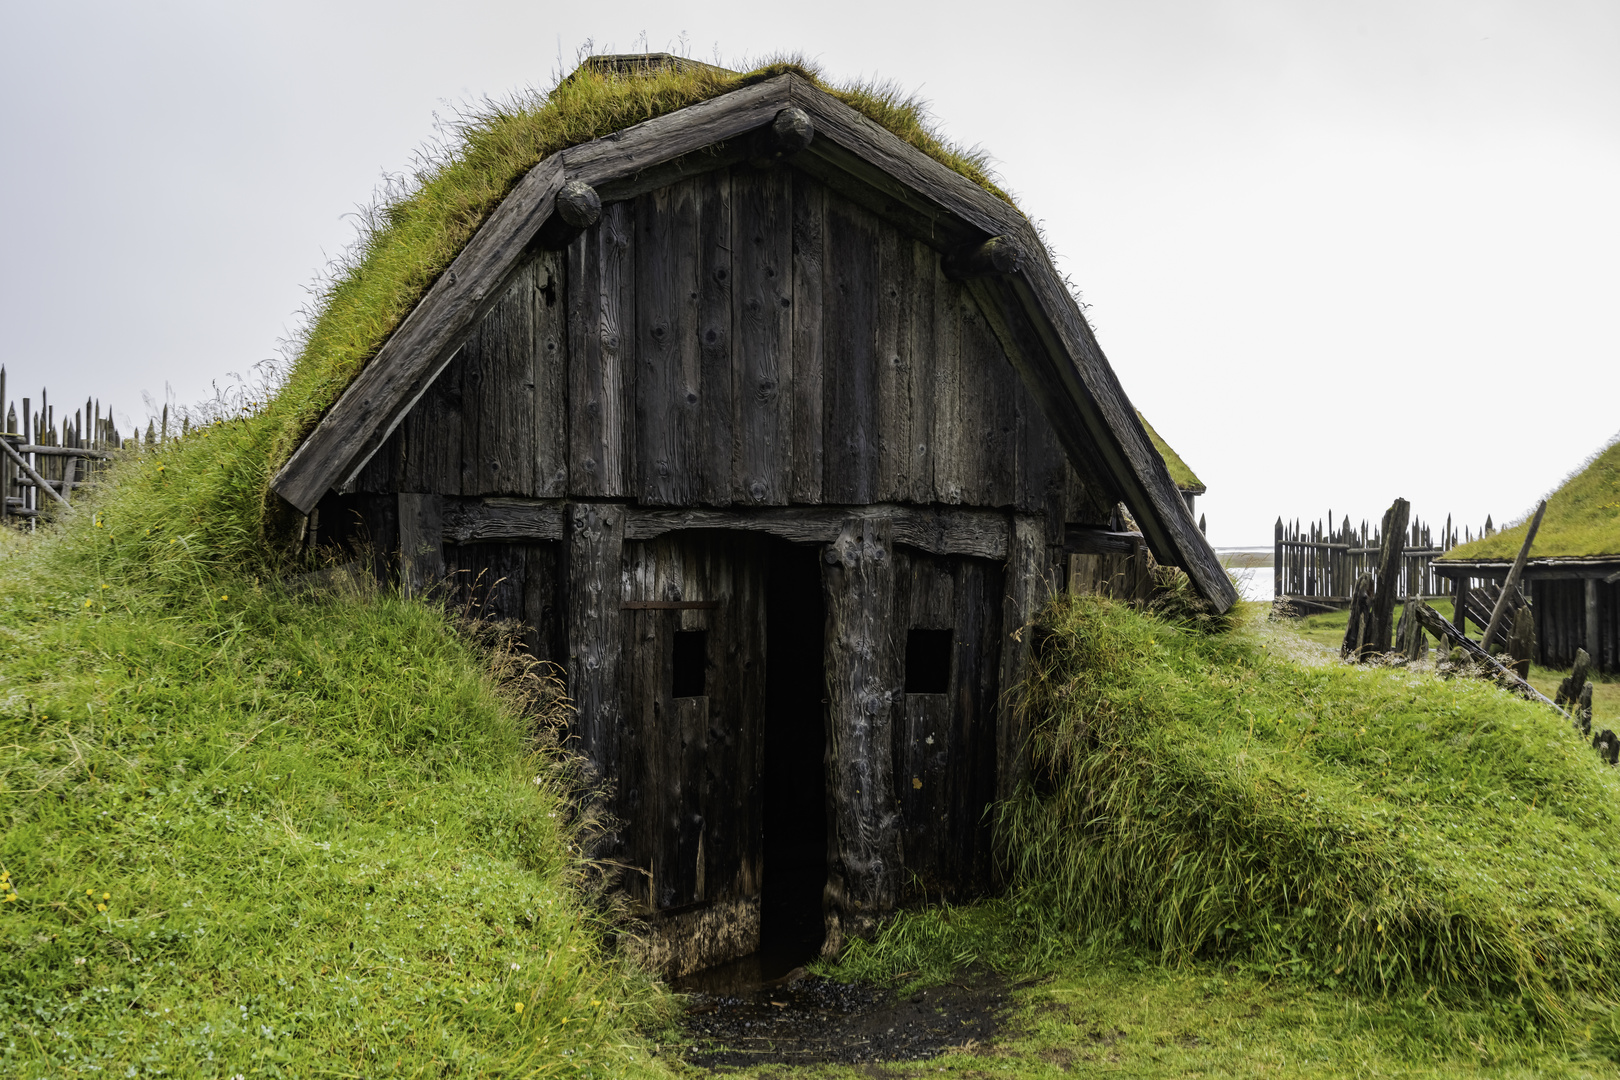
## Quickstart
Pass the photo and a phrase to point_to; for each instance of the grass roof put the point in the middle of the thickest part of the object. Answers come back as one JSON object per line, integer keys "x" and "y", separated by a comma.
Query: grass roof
{"x": 1184, "y": 477}
{"x": 1582, "y": 518}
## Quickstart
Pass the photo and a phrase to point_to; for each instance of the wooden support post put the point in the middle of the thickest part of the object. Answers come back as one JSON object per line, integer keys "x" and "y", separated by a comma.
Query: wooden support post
{"x": 1593, "y": 626}
{"x": 863, "y": 682}
{"x": 1277, "y": 563}
{"x": 421, "y": 542}
{"x": 595, "y": 594}
{"x": 1027, "y": 588}
{"x": 1460, "y": 615}
{"x": 1512, "y": 583}
{"x": 1389, "y": 577}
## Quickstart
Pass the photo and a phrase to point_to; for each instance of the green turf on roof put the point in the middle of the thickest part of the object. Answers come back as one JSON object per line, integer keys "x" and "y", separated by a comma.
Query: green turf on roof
{"x": 1184, "y": 477}
{"x": 1582, "y": 518}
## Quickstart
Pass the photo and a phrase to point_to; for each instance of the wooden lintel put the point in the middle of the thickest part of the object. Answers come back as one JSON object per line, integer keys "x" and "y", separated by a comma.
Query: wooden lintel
{"x": 977, "y": 533}
{"x": 669, "y": 605}
{"x": 1085, "y": 540}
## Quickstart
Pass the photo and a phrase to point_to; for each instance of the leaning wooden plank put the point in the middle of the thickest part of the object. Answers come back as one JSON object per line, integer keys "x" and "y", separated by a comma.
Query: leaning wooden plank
{"x": 1434, "y": 623}
{"x": 383, "y": 392}
{"x": 1511, "y": 585}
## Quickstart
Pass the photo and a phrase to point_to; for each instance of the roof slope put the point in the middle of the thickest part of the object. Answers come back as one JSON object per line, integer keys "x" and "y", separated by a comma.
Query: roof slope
{"x": 1028, "y": 305}
{"x": 1184, "y": 477}
{"x": 1582, "y": 519}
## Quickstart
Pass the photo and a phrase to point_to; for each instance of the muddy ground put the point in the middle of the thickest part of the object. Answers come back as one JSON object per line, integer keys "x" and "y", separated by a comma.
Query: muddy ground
{"x": 806, "y": 1019}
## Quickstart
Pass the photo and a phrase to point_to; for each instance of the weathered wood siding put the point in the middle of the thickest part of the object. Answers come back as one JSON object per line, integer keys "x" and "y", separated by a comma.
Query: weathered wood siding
{"x": 1560, "y": 609}
{"x": 739, "y": 338}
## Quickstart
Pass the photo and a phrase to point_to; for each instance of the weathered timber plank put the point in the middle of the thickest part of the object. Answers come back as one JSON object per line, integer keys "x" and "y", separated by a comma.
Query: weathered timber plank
{"x": 805, "y": 402}
{"x": 498, "y": 449}
{"x": 666, "y": 343}
{"x": 951, "y": 438}
{"x": 549, "y": 419}
{"x": 421, "y": 542}
{"x": 503, "y": 519}
{"x": 763, "y": 335}
{"x": 987, "y": 380}
{"x": 1026, "y": 589}
{"x": 918, "y": 343}
{"x": 710, "y": 456}
{"x": 601, "y": 324}
{"x": 892, "y": 412}
{"x": 593, "y": 626}
{"x": 862, "y": 677}
{"x": 431, "y": 437}
{"x": 850, "y": 418}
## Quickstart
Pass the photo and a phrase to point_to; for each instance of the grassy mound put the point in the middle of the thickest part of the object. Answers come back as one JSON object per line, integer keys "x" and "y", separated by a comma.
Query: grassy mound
{"x": 1378, "y": 830}
{"x": 248, "y": 833}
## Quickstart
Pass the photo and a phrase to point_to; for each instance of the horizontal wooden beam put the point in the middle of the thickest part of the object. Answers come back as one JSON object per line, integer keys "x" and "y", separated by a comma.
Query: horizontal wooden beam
{"x": 978, "y": 533}
{"x": 669, "y": 605}
{"x": 1086, "y": 540}
{"x": 63, "y": 451}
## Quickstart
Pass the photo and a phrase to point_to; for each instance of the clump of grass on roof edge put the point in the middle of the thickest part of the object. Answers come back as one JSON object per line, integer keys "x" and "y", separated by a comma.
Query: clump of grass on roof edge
{"x": 1582, "y": 518}
{"x": 1377, "y": 830}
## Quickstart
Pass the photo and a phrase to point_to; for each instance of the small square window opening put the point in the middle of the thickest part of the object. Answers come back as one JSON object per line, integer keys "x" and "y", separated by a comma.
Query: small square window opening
{"x": 691, "y": 662}
{"x": 928, "y": 661}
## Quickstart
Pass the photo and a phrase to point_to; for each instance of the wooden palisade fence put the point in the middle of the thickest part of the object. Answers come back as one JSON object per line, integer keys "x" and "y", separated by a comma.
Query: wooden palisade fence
{"x": 1316, "y": 566}
{"x": 66, "y": 455}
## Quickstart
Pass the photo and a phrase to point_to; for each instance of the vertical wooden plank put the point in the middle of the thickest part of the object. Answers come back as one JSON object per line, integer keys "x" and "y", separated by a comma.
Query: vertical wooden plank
{"x": 595, "y": 543}
{"x": 421, "y": 542}
{"x": 950, "y": 439}
{"x": 1025, "y": 591}
{"x": 920, "y": 368}
{"x": 601, "y": 304}
{"x": 987, "y": 379}
{"x": 763, "y": 335}
{"x": 549, "y": 406}
{"x": 668, "y": 372}
{"x": 862, "y": 679}
{"x": 850, "y": 434}
{"x": 499, "y": 387}
{"x": 1593, "y": 638}
{"x": 892, "y": 481}
{"x": 806, "y": 464}
{"x": 710, "y": 459}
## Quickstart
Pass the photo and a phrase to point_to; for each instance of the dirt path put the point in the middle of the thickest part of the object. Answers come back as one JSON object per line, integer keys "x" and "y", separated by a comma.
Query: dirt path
{"x": 812, "y": 1020}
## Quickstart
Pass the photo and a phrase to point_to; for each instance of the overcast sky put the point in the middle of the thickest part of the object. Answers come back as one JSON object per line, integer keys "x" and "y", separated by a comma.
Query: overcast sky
{"x": 1336, "y": 252}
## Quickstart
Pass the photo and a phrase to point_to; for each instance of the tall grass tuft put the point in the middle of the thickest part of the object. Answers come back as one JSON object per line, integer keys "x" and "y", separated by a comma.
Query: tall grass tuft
{"x": 1376, "y": 830}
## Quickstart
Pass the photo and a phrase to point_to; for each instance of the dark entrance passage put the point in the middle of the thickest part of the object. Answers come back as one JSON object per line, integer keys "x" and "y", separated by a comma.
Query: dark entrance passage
{"x": 794, "y": 775}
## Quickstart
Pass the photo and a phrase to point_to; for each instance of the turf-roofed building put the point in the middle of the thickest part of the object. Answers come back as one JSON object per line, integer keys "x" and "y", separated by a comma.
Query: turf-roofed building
{"x": 773, "y": 432}
{"x": 1572, "y": 577}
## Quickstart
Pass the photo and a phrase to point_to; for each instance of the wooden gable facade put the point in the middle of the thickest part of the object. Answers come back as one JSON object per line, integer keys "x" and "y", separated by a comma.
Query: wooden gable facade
{"x": 746, "y": 453}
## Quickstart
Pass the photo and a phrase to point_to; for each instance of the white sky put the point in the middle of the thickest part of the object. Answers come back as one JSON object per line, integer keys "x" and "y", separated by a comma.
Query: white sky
{"x": 1336, "y": 252}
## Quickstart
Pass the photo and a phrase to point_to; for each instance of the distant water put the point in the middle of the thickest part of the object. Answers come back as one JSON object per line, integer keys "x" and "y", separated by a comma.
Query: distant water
{"x": 1254, "y": 582}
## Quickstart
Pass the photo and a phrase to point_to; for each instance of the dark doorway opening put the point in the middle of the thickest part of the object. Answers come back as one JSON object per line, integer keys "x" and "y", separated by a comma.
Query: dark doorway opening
{"x": 794, "y": 780}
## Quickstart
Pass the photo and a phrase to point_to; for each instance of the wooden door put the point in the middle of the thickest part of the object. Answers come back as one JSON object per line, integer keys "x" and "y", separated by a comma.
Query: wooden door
{"x": 693, "y": 700}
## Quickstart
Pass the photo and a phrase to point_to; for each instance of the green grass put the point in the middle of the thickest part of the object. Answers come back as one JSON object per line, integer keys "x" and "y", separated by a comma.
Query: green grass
{"x": 1107, "y": 1006}
{"x": 1374, "y": 829}
{"x": 255, "y": 834}
{"x": 1582, "y": 518}
{"x": 1183, "y": 475}
{"x": 1328, "y": 630}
